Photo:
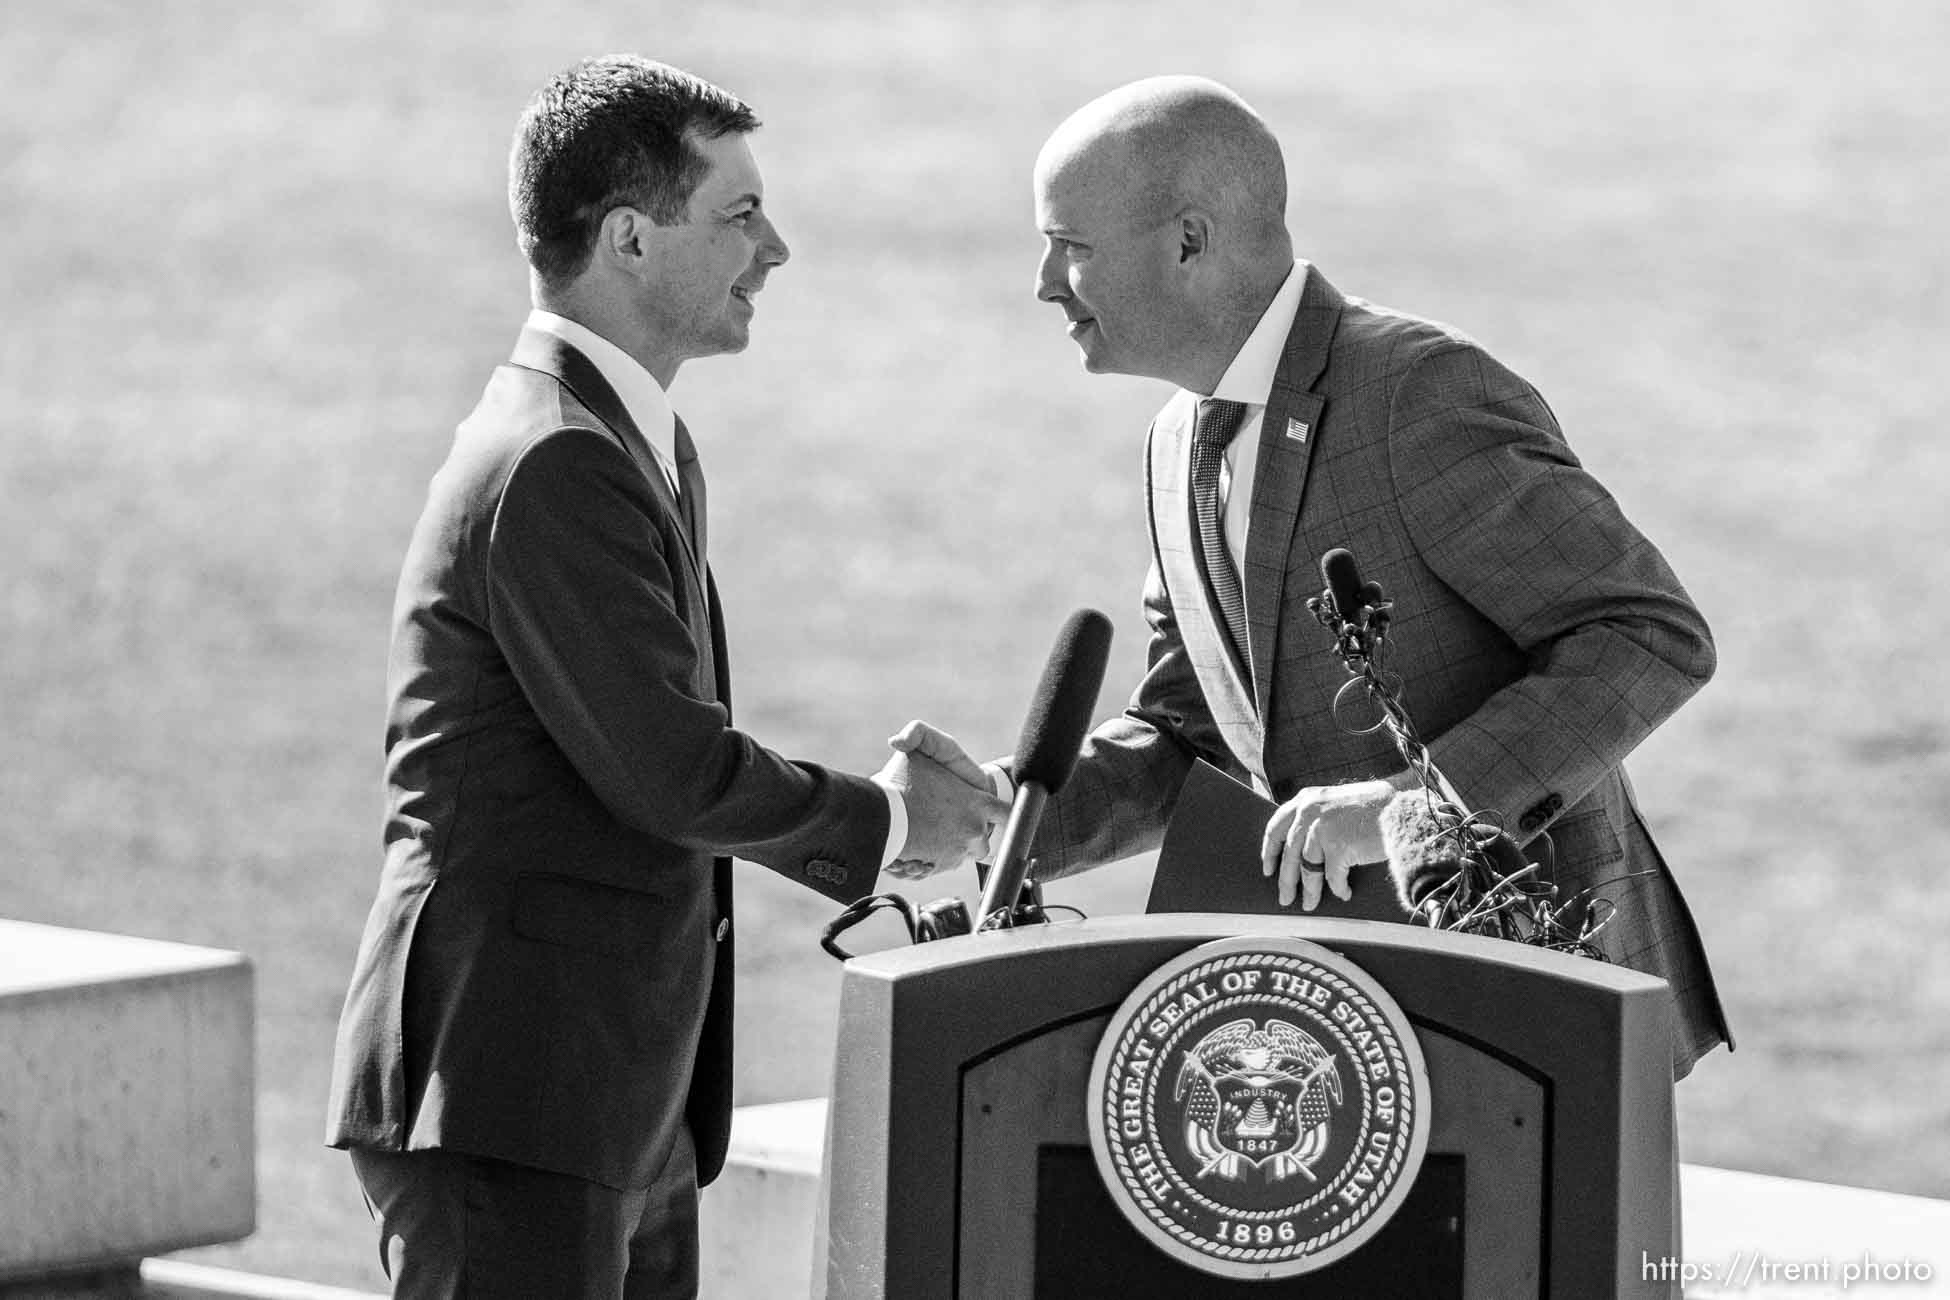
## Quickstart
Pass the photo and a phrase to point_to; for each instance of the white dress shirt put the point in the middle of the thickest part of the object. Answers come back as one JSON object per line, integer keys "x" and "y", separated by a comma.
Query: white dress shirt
{"x": 649, "y": 407}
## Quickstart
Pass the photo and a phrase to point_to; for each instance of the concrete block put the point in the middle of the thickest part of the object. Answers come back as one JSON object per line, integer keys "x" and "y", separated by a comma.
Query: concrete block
{"x": 756, "y": 1221}
{"x": 127, "y": 1110}
{"x": 1764, "y": 1236}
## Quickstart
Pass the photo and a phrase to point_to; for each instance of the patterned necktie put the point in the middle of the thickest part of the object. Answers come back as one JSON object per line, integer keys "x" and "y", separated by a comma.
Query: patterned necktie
{"x": 1218, "y": 421}
{"x": 690, "y": 483}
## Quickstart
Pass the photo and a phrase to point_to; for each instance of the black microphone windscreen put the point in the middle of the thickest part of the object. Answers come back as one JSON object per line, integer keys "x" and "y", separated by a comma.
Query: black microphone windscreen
{"x": 1059, "y": 715}
{"x": 1420, "y": 855}
{"x": 1504, "y": 857}
{"x": 1343, "y": 578}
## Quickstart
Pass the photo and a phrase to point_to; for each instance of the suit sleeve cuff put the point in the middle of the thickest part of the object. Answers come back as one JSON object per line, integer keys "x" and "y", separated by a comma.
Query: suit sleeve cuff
{"x": 896, "y": 822}
{"x": 1000, "y": 781}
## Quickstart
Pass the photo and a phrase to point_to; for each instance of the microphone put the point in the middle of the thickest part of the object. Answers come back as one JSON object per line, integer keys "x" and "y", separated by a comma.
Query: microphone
{"x": 1423, "y": 852}
{"x": 1052, "y": 733}
{"x": 1424, "y": 843}
{"x": 1356, "y": 612}
{"x": 1503, "y": 855}
{"x": 1343, "y": 578}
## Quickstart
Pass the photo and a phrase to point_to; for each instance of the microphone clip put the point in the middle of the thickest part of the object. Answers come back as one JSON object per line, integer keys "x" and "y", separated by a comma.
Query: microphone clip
{"x": 1027, "y": 908}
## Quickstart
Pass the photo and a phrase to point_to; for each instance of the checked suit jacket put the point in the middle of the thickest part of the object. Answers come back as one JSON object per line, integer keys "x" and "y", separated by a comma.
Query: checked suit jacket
{"x": 1539, "y": 635}
{"x": 546, "y": 972}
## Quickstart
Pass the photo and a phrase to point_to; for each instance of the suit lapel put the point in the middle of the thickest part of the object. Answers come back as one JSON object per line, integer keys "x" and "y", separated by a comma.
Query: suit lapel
{"x": 540, "y": 350}
{"x": 1201, "y": 623}
{"x": 1228, "y": 694}
{"x": 1287, "y": 437}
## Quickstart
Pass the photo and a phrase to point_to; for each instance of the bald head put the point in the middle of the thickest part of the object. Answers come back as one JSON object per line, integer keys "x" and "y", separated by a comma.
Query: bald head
{"x": 1164, "y": 202}
{"x": 1167, "y": 143}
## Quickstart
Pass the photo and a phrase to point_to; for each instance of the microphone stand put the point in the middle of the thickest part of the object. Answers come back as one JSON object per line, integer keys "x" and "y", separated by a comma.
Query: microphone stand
{"x": 1003, "y": 888}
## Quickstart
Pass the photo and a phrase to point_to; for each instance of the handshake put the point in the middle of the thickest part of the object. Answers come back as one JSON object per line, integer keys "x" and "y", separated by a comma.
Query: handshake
{"x": 952, "y": 807}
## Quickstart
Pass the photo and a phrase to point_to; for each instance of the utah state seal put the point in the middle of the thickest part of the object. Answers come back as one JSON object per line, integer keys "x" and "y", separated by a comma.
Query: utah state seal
{"x": 1259, "y": 1107}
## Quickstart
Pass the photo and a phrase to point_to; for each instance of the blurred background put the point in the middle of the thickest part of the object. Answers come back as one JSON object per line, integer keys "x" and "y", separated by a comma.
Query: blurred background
{"x": 255, "y": 264}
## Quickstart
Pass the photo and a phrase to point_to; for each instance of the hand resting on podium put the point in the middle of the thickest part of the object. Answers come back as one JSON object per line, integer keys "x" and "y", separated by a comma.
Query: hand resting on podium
{"x": 1317, "y": 837}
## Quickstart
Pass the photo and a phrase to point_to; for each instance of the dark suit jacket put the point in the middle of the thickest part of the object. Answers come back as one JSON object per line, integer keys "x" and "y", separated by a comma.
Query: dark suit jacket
{"x": 1540, "y": 636}
{"x": 546, "y": 973}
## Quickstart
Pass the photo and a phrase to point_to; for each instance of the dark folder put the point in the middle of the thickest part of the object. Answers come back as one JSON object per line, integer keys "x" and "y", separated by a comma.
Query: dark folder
{"x": 1210, "y": 858}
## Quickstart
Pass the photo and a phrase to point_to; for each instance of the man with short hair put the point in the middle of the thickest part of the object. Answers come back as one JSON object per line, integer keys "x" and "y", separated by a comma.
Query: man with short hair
{"x": 1538, "y": 634}
{"x": 533, "y": 1067}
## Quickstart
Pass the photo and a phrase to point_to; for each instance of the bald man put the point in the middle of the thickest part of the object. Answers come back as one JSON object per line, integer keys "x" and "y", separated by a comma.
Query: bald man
{"x": 1539, "y": 635}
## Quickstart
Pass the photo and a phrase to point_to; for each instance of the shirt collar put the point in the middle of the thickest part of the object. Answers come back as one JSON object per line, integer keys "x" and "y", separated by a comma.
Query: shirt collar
{"x": 1249, "y": 379}
{"x": 642, "y": 396}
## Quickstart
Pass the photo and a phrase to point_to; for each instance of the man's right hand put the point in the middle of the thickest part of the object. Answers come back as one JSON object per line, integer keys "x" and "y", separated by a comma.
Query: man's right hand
{"x": 948, "y": 817}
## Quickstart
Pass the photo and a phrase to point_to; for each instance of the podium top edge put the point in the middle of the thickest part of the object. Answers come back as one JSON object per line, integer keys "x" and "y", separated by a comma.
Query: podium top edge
{"x": 1341, "y": 934}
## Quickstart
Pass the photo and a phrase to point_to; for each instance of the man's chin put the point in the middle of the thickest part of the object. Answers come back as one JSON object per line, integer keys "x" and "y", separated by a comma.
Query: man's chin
{"x": 730, "y": 341}
{"x": 1095, "y": 361}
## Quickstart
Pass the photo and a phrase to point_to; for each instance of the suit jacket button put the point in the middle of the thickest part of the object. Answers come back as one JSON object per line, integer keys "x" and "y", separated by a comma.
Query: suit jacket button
{"x": 724, "y": 928}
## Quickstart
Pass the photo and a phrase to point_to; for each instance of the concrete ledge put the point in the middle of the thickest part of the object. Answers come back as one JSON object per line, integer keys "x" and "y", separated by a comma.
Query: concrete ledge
{"x": 127, "y": 1106}
{"x": 170, "y": 1279}
{"x": 1763, "y": 1236}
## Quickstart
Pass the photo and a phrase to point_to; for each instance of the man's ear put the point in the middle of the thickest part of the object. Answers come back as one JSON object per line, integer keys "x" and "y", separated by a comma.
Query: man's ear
{"x": 1194, "y": 235}
{"x": 622, "y": 236}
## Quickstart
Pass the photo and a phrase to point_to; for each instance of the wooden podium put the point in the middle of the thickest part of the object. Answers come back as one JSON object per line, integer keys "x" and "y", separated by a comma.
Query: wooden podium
{"x": 959, "y": 1159}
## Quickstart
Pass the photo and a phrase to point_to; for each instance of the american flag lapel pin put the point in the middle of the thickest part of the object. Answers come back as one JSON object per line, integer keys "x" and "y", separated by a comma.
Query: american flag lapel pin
{"x": 1296, "y": 430}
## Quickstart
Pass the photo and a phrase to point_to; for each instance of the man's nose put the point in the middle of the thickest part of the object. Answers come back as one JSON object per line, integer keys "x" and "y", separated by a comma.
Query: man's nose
{"x": 772, "y": 249}
{"x": 1050, "y": 284}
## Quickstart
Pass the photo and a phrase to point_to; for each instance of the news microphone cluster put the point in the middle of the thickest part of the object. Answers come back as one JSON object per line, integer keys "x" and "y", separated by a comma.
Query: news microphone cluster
{"x": 1358, "y": 615}
{"x": 1356, "y": 612}
{"x": 1453, "y": 869}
